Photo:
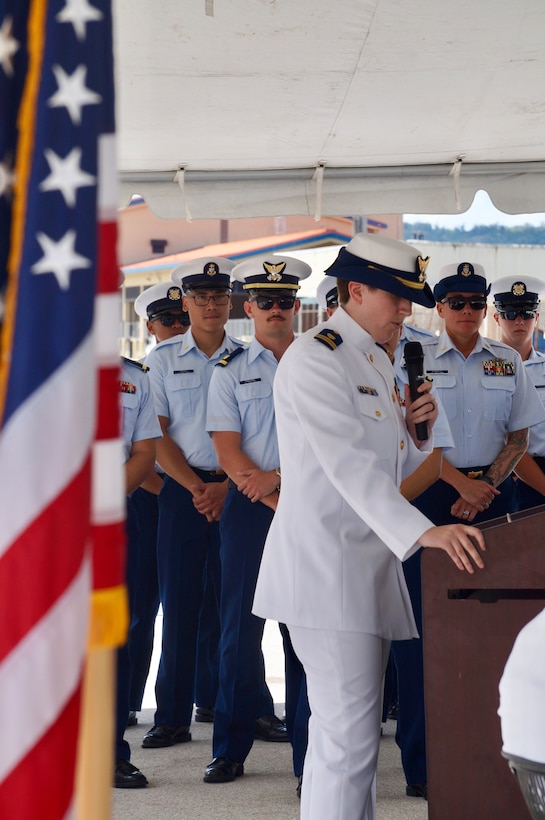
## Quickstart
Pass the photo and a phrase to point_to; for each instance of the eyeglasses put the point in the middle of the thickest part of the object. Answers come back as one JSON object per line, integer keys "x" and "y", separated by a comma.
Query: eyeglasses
{"x": 168, "y": 319}
{"x": 268, "y": 302}
{"x": 511, "y": 315}
{"x": 201, "y": 300}
{"x": 459, "y": 302}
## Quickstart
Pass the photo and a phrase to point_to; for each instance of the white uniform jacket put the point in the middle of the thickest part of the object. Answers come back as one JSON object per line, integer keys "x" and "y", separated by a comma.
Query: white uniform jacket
{"x": 332, "y": 555}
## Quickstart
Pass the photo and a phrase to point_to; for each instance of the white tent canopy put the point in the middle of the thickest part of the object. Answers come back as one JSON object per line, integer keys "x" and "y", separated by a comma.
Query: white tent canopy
{"x": 232, "y": 108}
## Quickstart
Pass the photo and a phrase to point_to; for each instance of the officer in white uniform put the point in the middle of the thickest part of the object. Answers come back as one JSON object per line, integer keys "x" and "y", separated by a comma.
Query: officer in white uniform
{"x": 516, "y": 302}
{"x": 488, "y": 398}
{"x": 522, "y": 695}
{"x": 194, "y": 489}
{"x": 241, "y": 422}
{"x": 331, "y": 568}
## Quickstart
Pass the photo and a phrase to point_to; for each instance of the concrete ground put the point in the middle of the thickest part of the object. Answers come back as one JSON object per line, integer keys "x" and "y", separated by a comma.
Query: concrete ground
{"x": 267, "y": 789}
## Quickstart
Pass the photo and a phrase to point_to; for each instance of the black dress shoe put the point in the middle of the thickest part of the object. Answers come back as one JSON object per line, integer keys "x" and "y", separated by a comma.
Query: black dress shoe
{"x": 127, "y": 776}
{"x": 204, "y": 714}
{"x": 222, "y": 770}
{"x": 271, "y": 728}
{"x": 417, "y": 790}
{"x": 160, "y": 736}
{"x": 132, "y": 720}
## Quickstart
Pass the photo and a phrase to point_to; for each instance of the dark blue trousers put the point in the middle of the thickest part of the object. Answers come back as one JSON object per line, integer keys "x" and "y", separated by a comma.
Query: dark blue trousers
{"x": 122, "y": 748}
{"x": 187, "y": 546}
{"x": 208, "y": 637}
{"x": 527, "y": 496}
{"x": 297, "y": 705}
{"x": 146, "y": 595}
{"x": 242, "y": 694}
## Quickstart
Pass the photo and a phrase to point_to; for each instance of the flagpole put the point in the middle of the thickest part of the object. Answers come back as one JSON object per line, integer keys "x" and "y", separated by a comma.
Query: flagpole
{"x": 96, "y": 739}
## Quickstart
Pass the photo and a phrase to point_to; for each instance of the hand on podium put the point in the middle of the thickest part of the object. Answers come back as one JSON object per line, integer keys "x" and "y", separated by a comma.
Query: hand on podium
{"x": 457, "y": 540}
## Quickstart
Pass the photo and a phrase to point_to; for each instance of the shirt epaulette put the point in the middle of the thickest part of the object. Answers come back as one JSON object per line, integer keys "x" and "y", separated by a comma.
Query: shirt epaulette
{"x": 141, "y": 366}
{"x": 329, "y": 337}
{"x": 229, "y": 357}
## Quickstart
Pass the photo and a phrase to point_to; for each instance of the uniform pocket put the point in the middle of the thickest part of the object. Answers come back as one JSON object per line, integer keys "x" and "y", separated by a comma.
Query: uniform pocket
{"x": 497, "y": 396}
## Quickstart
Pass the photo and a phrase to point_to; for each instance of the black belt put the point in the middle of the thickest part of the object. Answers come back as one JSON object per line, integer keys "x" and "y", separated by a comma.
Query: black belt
{"x": 210, "y": 475}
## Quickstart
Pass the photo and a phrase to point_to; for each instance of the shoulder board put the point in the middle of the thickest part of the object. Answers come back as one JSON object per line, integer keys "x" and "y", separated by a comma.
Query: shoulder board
{"x": 139, "y": 365}
{"x": 230, "y": 356}
{"x": 329, "y": 337}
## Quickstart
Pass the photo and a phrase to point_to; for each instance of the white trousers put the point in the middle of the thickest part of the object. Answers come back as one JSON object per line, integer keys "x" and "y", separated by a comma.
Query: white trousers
{"x": 345, "y": 673}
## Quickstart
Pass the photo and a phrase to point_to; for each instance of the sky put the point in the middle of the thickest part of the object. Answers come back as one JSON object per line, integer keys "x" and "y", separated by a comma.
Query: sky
{"x": 482, "y": 212}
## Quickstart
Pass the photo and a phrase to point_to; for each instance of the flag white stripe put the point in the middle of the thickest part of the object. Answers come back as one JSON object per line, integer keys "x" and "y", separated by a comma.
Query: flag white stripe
{"x": 48, "y": 431}
{"x": 106, "y": 329}
{"x": 107, "y": 178}
{"x": 108, "y": 498}
{"x": 40, "y": 675}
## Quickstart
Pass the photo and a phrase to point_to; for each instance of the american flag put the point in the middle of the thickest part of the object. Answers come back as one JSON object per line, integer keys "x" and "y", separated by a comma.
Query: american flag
{"x": 61, "y": 481}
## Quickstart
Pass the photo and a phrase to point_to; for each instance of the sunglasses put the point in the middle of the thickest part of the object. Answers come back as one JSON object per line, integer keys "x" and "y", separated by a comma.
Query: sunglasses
{"x": 512, "y": 314}
{"x": 168, "y": 319}
{"x": 459, "y": 302}
{"x": 267, "y": 302}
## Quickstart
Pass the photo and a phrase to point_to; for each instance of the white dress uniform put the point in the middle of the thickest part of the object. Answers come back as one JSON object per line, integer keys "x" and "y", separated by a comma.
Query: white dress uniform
{"x": 331, "y": 567}
{"x": 522, "y": 694}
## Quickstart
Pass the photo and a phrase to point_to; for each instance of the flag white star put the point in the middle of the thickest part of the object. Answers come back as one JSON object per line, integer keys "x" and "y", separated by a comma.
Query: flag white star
{"x": 79, "y": 13}
{"x": 66, "y": 175}
{"x": 8, "y": 46}
{"x": 72, "y": 92}
{"x": 59, "y": 258}
{"x": 6, "y": 177}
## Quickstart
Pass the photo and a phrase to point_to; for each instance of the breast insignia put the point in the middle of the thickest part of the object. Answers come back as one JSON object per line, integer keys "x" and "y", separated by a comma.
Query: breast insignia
{"x": 139, "y": 365}
{"x": 230, "y": 356}
{"x": 330, "y": 338}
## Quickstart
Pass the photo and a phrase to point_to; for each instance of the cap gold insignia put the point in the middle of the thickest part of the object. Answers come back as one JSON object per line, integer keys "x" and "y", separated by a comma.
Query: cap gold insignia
{"x": 211, "y": 269}
{"x": 466, "y": 269}
{"x": 518, "y": 289}
{"x": 174, "y": 293}
{"x": 274, "y": 271}
{"x": 422, "y": 265}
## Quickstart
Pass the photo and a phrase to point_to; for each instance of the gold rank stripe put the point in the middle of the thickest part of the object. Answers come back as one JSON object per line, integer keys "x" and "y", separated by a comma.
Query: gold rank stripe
{"x": 332, "y": 343}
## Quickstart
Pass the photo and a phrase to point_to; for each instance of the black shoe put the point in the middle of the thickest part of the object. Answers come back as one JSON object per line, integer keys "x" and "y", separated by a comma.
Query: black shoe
{"x": 299, "y": 786}
{"x": 417, "y": 790}
{"x": 271, "y": 728}
{"x": 132, "y": 720}
{"x": 127, "y": 776}
{"x": 160, "y": 736}
{"x": 394, "y": 710}
{"x": 204, "y": 714}
{"x": 222, "y": 770}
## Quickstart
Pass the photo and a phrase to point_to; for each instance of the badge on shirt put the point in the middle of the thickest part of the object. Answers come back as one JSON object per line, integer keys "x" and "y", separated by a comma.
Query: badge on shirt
{"x": 498, "y": 367}
{"x": 127, "y": 387}
{"x": 369, "y": 391}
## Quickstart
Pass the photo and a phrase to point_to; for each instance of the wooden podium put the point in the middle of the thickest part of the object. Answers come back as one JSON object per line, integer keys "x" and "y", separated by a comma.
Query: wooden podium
{"x": 470, "y": 625}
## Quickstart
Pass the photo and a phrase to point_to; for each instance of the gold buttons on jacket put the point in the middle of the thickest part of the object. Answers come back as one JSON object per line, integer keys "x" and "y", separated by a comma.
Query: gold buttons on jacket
{"x": 402, "y": 444}
{"x": 378, "y": 413}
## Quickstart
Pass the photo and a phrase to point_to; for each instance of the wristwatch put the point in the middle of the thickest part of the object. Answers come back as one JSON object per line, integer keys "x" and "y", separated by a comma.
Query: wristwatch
{"x": 279, "y": 474}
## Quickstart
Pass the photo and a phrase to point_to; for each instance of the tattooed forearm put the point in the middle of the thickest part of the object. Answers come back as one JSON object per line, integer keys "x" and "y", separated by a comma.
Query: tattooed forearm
{"x": 509, "y": 457}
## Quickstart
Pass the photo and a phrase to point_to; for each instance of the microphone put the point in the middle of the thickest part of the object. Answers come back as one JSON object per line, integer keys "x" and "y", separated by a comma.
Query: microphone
{"x": 414, "y": 362}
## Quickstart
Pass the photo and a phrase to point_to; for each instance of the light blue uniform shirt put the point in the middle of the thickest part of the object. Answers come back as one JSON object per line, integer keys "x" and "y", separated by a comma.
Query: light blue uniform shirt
{"x": 138, "y": 416}
{"x": 535, "y": 367}
{"x": 481, "y": 403}
{"x": 180, "y": 374}
{"x": 240, "y": 399}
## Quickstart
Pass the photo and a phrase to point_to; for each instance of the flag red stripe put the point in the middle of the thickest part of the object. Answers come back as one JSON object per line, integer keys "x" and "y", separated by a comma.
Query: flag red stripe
{"x": 41, "y": 786}
{"x": 108, "y": 410}
{"x": 44, "y": 560}
{"x": 109, "y": 555}
{"x": 109, "y": 273}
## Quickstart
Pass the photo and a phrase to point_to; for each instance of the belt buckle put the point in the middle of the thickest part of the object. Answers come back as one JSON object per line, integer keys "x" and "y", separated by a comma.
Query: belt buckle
{"x": 475, "y": 474}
